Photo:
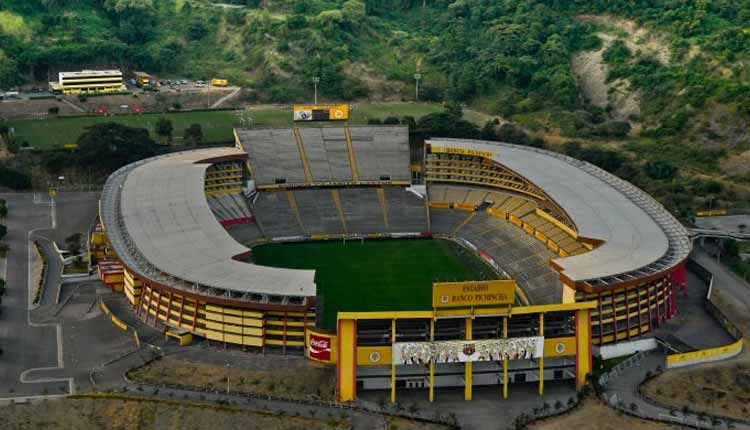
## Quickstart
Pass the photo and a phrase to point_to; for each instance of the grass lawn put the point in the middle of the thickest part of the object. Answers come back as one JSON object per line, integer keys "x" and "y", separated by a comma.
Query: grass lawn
{"x": 375, "y": 275}
{"x": 50, "y": 133}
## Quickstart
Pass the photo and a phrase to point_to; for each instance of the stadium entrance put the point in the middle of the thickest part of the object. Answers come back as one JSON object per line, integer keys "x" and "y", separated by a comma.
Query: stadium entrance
{"x": 449, "y": 346}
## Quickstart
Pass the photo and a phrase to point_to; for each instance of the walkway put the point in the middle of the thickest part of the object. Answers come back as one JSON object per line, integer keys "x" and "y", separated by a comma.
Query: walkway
{"x": 622, "y": 393}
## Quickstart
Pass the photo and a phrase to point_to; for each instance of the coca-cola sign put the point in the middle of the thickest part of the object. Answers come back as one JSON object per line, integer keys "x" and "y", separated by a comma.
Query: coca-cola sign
{"x": 319, "y": 347}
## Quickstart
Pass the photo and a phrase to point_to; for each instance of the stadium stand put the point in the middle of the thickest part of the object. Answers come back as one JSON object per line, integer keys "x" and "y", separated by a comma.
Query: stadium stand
{"x": 275, "y": 216}
{"x": 406, "y": 211}
{"x": 321, "y": 154}
{"x": 230, "y": 208}
{"x": 318, "y": 211}
{"x": 523, "y": 257}
{"x": 362, "y": 210}
{"x": 327, "y": 153}
{"x": 247, "y": 234}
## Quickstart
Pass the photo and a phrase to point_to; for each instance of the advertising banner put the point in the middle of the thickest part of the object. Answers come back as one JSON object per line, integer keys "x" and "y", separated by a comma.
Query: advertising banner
{"x": 463, "y": 351}
{"x": 473, "y": 293}
{"x": 319, "y": 347}
{"x": 461, "y": 151}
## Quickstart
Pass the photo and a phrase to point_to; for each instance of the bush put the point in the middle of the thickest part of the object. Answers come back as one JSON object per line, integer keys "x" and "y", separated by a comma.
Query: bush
{"x": 14, "y": 179}
{"x": 660, "y": 169}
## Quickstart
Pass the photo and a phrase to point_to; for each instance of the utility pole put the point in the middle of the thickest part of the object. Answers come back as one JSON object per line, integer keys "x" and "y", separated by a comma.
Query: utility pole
{"x": 316, "y": 79}
{"x": 227, "y": 379}
{"x": 417, "y": 77}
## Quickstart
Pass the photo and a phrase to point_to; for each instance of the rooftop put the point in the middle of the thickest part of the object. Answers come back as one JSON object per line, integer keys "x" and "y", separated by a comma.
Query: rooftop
{"x": 640, "y": 237}
{"x": 159, "y": 222}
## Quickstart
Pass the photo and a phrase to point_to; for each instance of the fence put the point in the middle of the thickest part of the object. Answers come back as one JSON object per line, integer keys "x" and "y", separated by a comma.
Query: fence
{"x": 709, "y": 354}
{"x": 632, "y": 361}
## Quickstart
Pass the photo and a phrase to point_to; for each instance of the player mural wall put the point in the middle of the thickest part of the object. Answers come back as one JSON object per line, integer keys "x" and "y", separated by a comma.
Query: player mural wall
{"x": 464, "y": 351}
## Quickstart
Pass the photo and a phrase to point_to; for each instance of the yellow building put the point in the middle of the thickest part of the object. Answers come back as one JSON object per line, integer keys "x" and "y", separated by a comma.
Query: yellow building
{"x": 448, "y": 347}
{"x": 89, "y": 81}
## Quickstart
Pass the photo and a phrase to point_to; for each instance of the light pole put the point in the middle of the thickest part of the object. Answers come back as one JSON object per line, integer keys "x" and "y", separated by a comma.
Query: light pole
{"x": 316, "y": 79}
{"x": 227, "y": 378}
{"x": 417, "y": 77}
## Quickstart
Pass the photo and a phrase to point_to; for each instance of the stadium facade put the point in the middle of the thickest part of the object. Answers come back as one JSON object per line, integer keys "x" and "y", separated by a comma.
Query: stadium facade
{"x": 595, "y": 259}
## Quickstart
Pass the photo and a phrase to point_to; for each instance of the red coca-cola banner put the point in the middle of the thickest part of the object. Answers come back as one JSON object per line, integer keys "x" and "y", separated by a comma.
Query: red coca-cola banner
{"x": 319, "y": 347}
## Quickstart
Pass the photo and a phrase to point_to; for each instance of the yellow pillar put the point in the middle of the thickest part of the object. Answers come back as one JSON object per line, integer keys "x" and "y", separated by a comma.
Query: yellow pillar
{"x": 505, "y": 360}
{"x": 583, "y": 346}
{"x": 432, "y": 362}
{"x": 468, "y": 382}
{"x": 347, "y": 360}
{"x": 393, "y": 364}
{"x": 541, "y": 359}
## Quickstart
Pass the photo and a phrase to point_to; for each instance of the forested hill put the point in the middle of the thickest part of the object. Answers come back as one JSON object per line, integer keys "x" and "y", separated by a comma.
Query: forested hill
{"x": 519, "y": 51}
{"x": 662, "y": 80}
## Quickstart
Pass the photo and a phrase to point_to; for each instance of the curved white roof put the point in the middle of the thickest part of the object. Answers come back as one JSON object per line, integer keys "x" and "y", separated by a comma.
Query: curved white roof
{"x": 166, "y": 219}
{"x": 640, "y": 237}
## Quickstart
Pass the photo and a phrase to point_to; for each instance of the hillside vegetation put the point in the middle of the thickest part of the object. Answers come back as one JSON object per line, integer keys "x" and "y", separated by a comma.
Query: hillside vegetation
{"x": 663, "y": 99}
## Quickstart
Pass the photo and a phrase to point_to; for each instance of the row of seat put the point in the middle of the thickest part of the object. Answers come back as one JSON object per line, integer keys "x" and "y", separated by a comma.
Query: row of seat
{"x": 522, "y": 208}
{"x": 358, "y": 210}
{"x": 227, "y": 207}
{"x": 523, "y": 257}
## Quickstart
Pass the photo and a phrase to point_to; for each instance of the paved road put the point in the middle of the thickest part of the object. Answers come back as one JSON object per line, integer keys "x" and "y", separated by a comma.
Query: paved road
{"x": 24, "y": 346}
{"x": 724, "y": 279}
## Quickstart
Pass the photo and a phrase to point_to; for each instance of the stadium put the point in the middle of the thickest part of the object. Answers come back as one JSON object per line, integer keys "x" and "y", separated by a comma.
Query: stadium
{"x": 472, "y": 263}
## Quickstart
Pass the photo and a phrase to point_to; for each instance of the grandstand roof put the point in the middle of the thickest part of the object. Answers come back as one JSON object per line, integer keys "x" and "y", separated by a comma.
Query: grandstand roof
{"x": 370, "y": 153}
{"x": 159, "y": 222}
{"x": 640, "y": 236}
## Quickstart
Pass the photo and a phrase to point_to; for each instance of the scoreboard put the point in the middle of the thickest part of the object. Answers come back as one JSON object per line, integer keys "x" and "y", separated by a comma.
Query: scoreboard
{"x": 321, "y": 112}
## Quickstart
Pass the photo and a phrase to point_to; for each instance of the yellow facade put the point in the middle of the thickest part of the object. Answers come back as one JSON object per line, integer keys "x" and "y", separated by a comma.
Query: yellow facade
{"x": 578, "y": 345}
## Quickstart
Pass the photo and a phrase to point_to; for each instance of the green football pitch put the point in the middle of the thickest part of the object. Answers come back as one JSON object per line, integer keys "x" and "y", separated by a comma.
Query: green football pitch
{"x": 375, "y": 275}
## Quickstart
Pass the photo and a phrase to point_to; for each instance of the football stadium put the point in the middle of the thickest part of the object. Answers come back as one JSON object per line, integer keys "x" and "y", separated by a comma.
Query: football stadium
{"x": 472, "y": 263}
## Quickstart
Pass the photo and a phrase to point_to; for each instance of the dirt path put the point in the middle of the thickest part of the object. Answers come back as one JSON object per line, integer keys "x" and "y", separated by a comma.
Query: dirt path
{"x": 73, "y": 105}
{"x": 221, "y": 101}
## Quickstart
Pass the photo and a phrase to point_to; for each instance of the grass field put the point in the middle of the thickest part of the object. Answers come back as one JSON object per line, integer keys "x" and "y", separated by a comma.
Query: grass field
{"x": 49, "y": 133}
{"x": 375, "y": 275}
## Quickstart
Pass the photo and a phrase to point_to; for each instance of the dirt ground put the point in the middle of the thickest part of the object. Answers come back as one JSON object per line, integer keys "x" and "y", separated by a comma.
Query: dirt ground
{"x": 287, "y": 377}
{"x": 721, "y": 389}
{"x": 146, "y": 414}
{"x": 594, "y": 415}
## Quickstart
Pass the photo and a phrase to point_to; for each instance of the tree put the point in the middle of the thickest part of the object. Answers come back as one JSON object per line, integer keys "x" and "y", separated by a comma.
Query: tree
{"x": 108, "y": 146}
{"x": 391, "y": 120}
{"x": 197, "y": 30}
{"x": 73, "y": 243}
{"x": 3, "y": 208}
{"x": 488, "y": 131}
{"x": 444, "y": 124}
{"x": 194, "y": 134}
{"x": 731, "y": 247}
{"x": 164, "y": 129}
{"x": 660, "y": 169}
{"x": 2, "y": 286}
{"x": 3, "y": 231}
